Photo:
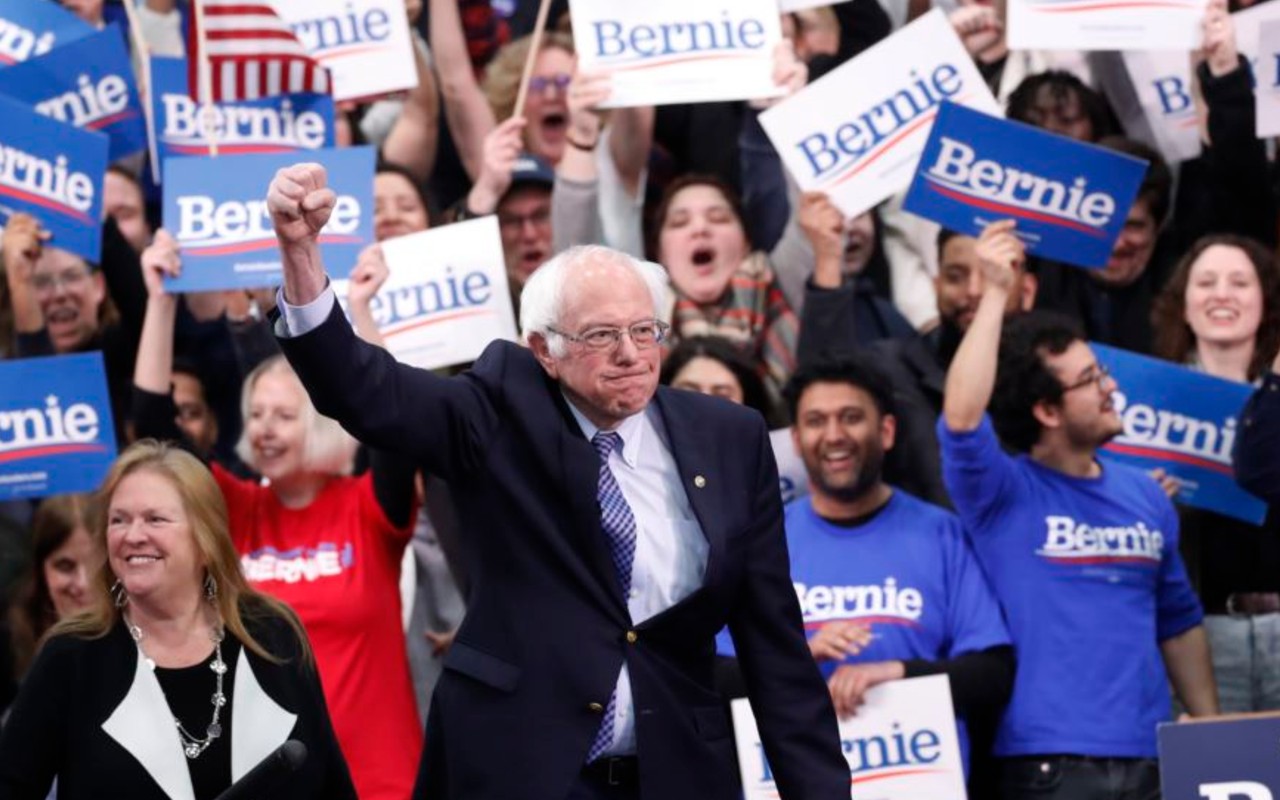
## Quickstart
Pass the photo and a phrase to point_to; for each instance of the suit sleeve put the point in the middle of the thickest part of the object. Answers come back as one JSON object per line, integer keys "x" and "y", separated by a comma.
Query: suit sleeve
{"x": 441, "y": 423}
{"x": 33, "y": 741}
{"x": 790, "y": 701}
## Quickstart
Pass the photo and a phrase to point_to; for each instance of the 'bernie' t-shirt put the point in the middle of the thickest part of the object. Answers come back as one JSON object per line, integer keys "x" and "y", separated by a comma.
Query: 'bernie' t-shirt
{"x": 906, "y": 572}
{"x": 1088, "y": 572}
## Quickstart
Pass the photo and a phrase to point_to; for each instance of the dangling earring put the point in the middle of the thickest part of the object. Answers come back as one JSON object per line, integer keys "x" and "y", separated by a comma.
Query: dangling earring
{"x": 210, "y": 588}
{"x": 118, "y": 594}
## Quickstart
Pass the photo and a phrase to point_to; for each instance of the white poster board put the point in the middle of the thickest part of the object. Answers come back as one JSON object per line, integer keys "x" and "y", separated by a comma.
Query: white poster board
{"x": 857, "y": 133}
{"x": 1093, "y": 25}
{"x": 679, "y": 51}
{"x": 365, "y": 44}
{"x": 1163, "y": 83}
{"x": 901, "y": 745}
{"x": 447, "y": 296}
{"x": 1267, "y": 75}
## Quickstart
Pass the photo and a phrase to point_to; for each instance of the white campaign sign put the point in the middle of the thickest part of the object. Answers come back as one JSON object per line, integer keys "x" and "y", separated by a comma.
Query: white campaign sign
{"x": 679, "y": 51}
{"x": 1162, "y": 80}
{"x": 1105, "y": 25}
{"x": 786, "y": 6}
{"x": 857, "y": 133}
{"x": 446, "y": 298}
{"x": 1249, "y": 25}
{"x": 901, "y": 745}
{"x": 1267, "y": 76}
{"x": 365, "y": 44}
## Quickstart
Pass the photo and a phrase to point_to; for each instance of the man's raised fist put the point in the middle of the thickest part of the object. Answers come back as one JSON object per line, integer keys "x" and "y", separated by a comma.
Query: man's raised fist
{"x": 300, "y": 202}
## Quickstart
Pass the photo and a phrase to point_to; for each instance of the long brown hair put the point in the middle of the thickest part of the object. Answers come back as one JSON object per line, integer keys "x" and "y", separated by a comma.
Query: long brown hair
{"x": 206, "y": 511}
{"x": 1174, "y": 339}
{"x": 32, "y": 612}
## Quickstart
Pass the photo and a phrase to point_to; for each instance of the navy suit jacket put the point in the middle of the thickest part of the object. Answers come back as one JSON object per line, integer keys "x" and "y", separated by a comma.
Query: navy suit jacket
{"x": 547, "y": 628}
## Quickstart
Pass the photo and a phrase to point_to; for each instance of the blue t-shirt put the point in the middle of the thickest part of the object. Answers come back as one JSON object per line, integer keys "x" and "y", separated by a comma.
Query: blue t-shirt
{"x": 907, "y": 572}
{"x": 1088, "y": 572}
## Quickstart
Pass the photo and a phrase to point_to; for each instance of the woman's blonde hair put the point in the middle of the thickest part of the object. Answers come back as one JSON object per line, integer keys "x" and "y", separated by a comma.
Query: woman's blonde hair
{"x": 328, "y": 449}
{"x": 501, "y": 82}
{"x": 206, "y": 512}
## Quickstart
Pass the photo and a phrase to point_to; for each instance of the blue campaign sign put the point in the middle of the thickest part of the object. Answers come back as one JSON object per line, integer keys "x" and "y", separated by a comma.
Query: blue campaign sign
{"x": 54, "y": 172}
{"x": 216, "y": 209}
{"x": 280, "y": 124}
{"x": 1184, "y": 422}
{"x": 1235, "y": 758}
{"x": 1070, "y": 199}
{"x": 88, "y": 84}
{"x": 29, "y": 28}
{"x": 56, "y": 433}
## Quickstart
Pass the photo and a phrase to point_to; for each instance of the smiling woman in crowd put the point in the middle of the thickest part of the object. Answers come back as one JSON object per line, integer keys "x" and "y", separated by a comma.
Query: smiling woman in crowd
{"x": 179, "y": 678}
{"x": 1220, "y": 314}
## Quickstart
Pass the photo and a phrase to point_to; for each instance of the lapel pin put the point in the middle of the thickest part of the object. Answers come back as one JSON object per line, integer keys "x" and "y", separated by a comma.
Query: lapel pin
{"x": 699, "y": 481}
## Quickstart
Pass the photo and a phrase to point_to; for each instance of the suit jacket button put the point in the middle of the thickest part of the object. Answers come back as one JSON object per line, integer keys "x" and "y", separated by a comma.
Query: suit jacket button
{"x": 699, "y": 481}
{"x": 596, "y": 707}
{"x": 631, "y": 637}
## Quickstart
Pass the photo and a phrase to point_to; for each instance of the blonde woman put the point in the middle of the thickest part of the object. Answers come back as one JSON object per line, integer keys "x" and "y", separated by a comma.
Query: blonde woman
{"x": 179, "y": 678}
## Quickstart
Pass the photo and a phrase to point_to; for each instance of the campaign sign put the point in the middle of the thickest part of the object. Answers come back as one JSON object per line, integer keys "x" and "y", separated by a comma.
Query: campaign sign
{"x": 217, "y": 211}
{"x": 446, "y": 298}
{"x": 901, "y": 745}
{"x": 286, "y": 123}
{"x": 1105, "y": 25}
{"x": 1183, "y": 422}
{"x": 29, "y": 29}
{"x": 857, "y": 132}
{"x": 1230, "y": 758}
{"x": 679, "y": 51}
{"x": 56, "y": 433}
{"x": 365, "y": 44}
{"x": 1070, "y": 199}
{"x": 53, "y": 172}
{"x": 88, "y": 84}
{"x": 1163, "y": 83}
{"x": 1267, "y": 79}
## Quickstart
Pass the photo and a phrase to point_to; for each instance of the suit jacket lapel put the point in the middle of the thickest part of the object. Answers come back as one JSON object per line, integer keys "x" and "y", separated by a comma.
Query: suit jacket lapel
{"x": 258, "y": 724}
{"x": 143, "y": 725}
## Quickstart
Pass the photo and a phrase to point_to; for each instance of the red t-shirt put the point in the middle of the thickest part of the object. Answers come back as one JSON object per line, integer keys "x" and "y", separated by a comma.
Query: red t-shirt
{"x": 337, "y": 563}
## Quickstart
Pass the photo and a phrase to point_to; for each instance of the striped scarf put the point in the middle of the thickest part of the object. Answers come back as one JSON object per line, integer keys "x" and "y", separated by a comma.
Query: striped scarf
{"x": 753, "y": 314}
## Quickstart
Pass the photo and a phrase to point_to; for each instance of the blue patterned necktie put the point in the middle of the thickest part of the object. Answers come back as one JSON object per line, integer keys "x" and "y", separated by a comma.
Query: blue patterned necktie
{"x": 620, "y": 529}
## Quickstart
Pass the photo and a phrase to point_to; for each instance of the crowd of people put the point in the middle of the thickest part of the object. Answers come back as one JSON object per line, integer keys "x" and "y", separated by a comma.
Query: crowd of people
{"x": 302, "y": 540}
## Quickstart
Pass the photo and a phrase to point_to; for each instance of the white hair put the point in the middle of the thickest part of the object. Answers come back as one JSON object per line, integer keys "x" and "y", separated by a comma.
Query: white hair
{"x": 327, "y": 448}
{"x": 542, "y": 298}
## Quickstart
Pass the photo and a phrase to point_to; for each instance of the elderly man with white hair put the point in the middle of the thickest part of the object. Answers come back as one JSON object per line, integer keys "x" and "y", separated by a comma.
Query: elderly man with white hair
{"x": 613, "y": 527}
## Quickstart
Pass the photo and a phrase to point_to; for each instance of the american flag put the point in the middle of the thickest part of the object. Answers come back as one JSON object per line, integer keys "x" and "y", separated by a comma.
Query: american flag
{"x": 250, "y": 53}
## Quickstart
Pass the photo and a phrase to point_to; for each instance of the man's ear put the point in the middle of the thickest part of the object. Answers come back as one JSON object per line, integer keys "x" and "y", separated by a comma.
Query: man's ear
{"x": 542, "y": 351}
{"x": 888, "y": 431}
{"x": 1048, "y": 414}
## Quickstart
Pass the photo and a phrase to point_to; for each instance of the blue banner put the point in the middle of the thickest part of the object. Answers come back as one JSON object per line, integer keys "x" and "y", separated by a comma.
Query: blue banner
{"x": 217, "y": 211}
{"x": 1220, "y": 759}
{"x": 56, "y": 433}
{"x": 89, "y": 84}
{"x": 282, "y": 124}
{"x": 29, "y": 28}
{"x": 53, "y": 172}
{"x": 1184, "y": 422}
{"x": 1070, "y": 199}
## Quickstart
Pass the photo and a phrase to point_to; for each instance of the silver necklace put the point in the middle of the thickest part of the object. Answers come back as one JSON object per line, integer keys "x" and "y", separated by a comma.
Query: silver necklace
{"x": 194, "y": 746}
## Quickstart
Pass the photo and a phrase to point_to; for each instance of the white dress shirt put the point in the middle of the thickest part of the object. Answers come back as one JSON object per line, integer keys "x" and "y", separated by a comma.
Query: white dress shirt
{"x": 671, "y": 549}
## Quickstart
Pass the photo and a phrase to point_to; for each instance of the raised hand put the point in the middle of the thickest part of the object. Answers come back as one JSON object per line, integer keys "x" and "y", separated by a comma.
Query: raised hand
{"x": 300, "y": 203}
{"x": 368, "y": 275}
{"x": 160, "y": 260}
{"x": 1000, "y": 252}
{"x": 502, "y": 146}
{"x": 22, "y": 246}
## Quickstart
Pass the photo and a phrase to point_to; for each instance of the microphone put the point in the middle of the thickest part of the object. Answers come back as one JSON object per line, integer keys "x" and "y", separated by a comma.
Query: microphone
{"x": 284, "y": 760}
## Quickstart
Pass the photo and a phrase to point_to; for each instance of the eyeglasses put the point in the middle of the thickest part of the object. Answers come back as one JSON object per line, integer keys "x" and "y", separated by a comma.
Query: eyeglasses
{"x": 514, "y": 222}
{"x": 68, "y": 279}
{"x": 644, "y": 334}
{"x": 1098, "y": 378}
{"x": 539, "y": 84}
